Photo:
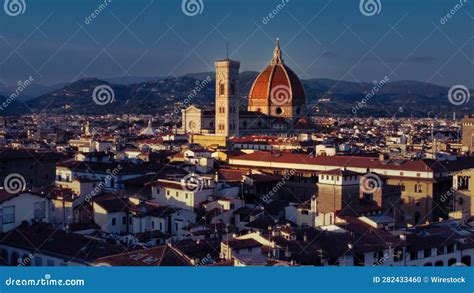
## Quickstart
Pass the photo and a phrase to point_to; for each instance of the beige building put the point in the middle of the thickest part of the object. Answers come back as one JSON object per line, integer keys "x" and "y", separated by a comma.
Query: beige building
{"x": 468, "y": 133}
{"x": 463, "y": 192}
{"x": 227, "y": 100}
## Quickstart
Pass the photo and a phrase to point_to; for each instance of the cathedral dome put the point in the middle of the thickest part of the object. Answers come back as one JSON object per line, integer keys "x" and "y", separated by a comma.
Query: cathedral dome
{"x": 277, "y": 90}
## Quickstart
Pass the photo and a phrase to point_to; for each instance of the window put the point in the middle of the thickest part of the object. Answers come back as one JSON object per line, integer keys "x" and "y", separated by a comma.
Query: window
{"x": 114, "y": 221}
{"x": 368, "y": 196}
{"x": 8, "y": 215}
{"x": 221, "y": 89}
{"x": 167, "y": 192}
{"x": 15, "y": 259}
{"x": 152, "y": 225}
{"x": 232, "y": 89}
{"x": 463, "y": 183}
{"x": 414, "y": 255}
{"x": 440, "y": 250}
{"x": 4, "y": 255}
{"x": 38, "y": 261}
{"x": 450, "y": 248}
{"x": 427, "y": 252}
{"x": 305, "y": 212}
{"x": 402, "y": 187}
{"x": 124, "y": 220}
{"x": 40, "y": 210}
{"x": 418, "y": 188}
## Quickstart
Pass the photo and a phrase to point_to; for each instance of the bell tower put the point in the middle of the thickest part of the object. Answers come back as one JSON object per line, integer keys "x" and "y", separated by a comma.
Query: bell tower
{"x": 227, "y": 99}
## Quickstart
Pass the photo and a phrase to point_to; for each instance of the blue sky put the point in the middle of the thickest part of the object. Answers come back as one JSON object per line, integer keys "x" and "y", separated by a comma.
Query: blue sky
{"x": 53, "y": 43}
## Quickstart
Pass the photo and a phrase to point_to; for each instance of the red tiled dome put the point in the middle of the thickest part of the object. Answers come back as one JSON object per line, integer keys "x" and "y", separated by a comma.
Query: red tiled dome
{"x": 277, "y": 77}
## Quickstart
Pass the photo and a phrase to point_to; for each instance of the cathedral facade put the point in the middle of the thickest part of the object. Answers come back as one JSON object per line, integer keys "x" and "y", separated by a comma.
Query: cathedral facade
{"x": 276, "y": 102}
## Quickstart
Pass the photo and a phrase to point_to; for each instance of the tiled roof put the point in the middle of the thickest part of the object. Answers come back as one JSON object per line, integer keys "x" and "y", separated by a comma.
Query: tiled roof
{"x": 164, "y": 255}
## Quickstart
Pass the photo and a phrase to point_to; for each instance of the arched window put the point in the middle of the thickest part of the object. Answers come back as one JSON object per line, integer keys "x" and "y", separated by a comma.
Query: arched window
{"x": 221, "y": 89}
{"x": 439, "y": 263}
{"x": 232, "y": 89}
{"x": 452, "y": 261}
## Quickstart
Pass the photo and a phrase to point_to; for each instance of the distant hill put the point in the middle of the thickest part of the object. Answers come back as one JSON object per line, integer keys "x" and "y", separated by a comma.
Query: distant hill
{"x": 324, "y": 96}
{"x": 32, "y": 91}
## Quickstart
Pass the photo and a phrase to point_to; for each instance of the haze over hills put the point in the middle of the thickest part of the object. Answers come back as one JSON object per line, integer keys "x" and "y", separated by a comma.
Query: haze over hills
{"x": 162, "y": 94}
